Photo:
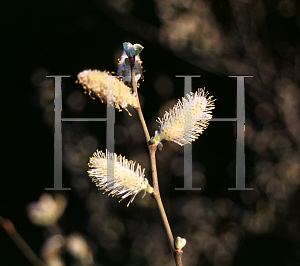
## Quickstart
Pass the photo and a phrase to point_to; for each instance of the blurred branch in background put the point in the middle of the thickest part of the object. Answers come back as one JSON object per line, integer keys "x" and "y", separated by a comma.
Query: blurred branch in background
{"x": 10, "y": 229}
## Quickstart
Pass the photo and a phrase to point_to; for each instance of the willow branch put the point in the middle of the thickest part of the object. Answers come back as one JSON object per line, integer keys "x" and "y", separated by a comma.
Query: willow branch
{"x": 20, "y": 242}
{"x": 155, "y": 194}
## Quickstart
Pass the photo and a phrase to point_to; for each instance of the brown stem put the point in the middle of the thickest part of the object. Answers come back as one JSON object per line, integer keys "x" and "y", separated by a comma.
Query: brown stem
{"x": 20, "y": 242}
{"x": 155, "y": 194}
{"x": 142, "y": 119}
{"x": 178, "y": 255}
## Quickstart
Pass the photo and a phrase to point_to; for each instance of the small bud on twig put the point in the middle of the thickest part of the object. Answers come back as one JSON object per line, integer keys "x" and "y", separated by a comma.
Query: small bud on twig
{"x": 180, "y": 242}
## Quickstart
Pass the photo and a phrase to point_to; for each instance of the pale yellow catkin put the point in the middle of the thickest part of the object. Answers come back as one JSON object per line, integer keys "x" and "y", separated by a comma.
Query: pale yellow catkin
{"x": 95, "y": 83}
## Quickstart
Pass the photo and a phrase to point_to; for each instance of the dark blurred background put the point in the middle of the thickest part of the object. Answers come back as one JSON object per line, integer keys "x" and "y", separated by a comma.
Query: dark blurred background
{"x": 213, "y": 39}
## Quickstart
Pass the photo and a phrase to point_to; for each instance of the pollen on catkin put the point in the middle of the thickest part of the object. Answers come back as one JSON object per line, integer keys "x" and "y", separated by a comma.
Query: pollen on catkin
{"x": 95, "y": 82}
{"x": 124, "y": 71}
{"x": 117, "y": 175}
{"x": 187, "y": 120}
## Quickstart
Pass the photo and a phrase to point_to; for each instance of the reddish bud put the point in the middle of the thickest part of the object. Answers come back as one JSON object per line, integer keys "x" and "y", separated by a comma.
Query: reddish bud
{"x": 131, "y": 59}
{"x": 8, "y": 226}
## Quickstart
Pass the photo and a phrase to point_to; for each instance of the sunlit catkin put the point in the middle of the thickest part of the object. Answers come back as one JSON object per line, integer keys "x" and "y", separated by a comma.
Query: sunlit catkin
{"x": 117, "y": 175}
{"x": 96, "y": 83}
{"x": 187, "y": 120}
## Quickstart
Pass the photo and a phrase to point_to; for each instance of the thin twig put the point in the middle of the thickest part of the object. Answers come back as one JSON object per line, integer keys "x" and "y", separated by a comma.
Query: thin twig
{"x": 155, "y": 194}
{"x": 20, "y": 242}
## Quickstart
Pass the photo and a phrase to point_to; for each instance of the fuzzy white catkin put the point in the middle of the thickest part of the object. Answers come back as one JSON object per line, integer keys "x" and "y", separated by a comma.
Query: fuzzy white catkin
{"x": 188, "y": 118}
{"x": 117, "y": 175}
{"x": 95, "y": 83}
{"x": 125, "y": 71}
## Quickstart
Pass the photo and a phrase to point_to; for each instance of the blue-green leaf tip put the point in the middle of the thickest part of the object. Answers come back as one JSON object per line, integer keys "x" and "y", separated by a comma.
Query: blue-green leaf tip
{"x": 132, "y": 50}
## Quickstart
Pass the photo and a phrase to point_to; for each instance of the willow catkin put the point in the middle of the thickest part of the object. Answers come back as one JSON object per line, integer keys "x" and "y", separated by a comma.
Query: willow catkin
{"x": 117, "y": 175}
{"x": 95, "y": 82}
{"x": 188, "y": 118}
